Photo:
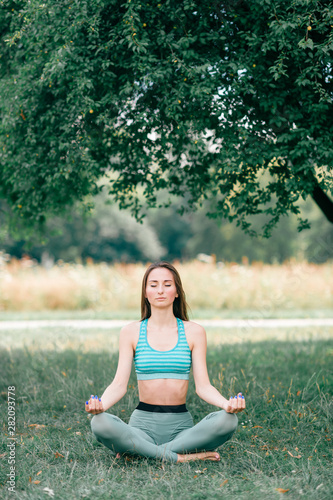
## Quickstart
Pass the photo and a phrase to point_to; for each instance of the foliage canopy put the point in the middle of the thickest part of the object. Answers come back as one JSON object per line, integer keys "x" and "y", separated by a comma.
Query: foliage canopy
{"x": 229, "y": 101}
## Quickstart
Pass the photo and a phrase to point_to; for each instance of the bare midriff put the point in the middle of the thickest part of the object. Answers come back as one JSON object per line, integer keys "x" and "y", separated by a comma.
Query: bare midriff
{"x": 163, "y": 391}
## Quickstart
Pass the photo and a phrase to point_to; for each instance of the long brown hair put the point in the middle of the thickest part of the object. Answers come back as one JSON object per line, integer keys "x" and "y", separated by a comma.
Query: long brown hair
{"x": 179, "y": 304}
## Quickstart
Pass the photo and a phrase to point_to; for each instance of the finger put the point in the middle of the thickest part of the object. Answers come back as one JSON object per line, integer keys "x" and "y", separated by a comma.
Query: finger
{"x": 241, "y": 405}
{"x": 238, "y": 403}
{"x": 233, "y": 403}
{"x": 88, "y": 405}
{"x": 97, "y": 404}
{"x": 92, "y": 403}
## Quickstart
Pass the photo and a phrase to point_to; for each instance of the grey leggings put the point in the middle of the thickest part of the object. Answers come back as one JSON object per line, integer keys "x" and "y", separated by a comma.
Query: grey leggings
{"x": 163, "y": 435}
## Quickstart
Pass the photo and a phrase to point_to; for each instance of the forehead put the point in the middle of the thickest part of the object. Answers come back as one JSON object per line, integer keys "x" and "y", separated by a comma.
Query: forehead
{"x": 160, "y": 274}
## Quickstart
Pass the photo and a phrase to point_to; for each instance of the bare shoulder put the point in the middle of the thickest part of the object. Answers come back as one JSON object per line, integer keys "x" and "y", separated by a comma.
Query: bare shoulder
{"x": 194, "y": 328}
{"x": 131, "y": 327}
{"x": 130, "y": 332}
{"x": 194, "y": 333}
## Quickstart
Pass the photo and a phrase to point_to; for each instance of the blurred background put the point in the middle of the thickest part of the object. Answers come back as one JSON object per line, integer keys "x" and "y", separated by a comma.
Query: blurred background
{"x": 96, "y": 263}
{"x": 111, "y": 235}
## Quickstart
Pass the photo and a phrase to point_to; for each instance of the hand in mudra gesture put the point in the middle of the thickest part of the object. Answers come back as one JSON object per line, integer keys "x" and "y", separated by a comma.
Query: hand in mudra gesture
{"x": 94, "y": 405}
{"x": 236, "y": 404}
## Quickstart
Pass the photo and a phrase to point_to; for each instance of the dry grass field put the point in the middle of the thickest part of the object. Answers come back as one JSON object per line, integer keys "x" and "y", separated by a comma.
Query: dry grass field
{"x": 25, "y": 286}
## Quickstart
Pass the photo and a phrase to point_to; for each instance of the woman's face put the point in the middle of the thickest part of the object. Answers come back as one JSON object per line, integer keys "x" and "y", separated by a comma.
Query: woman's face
{"x": 161, "y": 289}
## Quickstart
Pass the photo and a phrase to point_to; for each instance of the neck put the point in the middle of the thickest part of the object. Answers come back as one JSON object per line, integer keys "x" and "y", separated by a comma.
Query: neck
{"x": 162, "y": 317}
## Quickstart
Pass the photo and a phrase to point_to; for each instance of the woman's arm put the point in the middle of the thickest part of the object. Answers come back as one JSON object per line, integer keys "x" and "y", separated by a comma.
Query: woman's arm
{"x": 118, "y": 387}
{"x": 203, "y": 387}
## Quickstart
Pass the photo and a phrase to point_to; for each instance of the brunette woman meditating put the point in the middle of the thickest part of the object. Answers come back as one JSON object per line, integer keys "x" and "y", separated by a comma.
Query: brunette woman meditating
{"x": 164, "y": 345}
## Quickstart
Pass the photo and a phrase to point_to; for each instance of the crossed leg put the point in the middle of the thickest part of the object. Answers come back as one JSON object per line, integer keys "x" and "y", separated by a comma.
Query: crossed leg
{"x": 208, "y": 434}
{"x": 211, "y": 432}
{"x": 123, "y": 438}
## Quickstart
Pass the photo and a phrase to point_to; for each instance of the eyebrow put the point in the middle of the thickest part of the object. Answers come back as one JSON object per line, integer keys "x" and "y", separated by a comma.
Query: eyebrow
{"x": 156, "y": 281}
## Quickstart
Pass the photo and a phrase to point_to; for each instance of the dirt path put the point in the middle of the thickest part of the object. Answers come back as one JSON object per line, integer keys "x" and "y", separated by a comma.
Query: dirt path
{"x": 223, "y": 323}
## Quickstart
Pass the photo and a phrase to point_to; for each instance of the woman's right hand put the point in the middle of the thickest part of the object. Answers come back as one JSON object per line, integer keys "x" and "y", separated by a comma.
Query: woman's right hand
{"x": 236, "y": 404}
{"x": 94, "y": 405}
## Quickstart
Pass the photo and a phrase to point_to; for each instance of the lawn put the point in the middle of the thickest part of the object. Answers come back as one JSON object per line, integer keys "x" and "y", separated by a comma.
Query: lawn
{"x": 282, "y": 448}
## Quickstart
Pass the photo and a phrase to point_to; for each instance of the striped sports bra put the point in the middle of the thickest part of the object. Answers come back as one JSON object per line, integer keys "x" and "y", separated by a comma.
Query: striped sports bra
{"x": 152, "y": 364}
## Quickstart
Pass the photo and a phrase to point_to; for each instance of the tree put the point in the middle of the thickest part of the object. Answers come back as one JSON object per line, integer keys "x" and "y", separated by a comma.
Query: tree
{"x": 202, "y": 98}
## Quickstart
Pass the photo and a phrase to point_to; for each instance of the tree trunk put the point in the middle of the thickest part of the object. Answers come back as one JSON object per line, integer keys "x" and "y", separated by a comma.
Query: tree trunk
{"x": 323, "y": 202}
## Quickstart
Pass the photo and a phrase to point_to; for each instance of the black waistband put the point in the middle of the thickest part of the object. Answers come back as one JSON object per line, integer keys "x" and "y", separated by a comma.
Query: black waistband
{"x": 162, "y": 408}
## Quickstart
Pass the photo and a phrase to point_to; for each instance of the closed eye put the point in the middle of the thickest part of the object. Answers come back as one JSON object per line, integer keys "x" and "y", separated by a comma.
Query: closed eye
{"x": 154, "y": 286}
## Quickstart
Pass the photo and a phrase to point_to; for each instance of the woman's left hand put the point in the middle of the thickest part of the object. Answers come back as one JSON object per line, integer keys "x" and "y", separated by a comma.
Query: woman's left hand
{"x": 236, "y": 404}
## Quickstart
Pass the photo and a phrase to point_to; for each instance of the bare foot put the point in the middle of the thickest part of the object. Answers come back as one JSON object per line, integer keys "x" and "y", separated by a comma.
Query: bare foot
{"x": 204, "y": 455}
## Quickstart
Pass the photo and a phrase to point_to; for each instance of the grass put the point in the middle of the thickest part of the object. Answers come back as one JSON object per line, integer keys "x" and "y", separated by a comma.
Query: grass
{"x": 94, "y": 339}
{"x": 282, "y": 446}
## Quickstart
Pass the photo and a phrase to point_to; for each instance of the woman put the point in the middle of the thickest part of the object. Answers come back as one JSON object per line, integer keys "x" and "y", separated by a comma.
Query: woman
{"x": 164, "y": 345}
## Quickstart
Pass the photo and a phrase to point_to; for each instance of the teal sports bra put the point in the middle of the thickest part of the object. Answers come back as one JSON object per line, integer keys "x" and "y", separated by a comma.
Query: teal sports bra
{"x": 152, "y": 364}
